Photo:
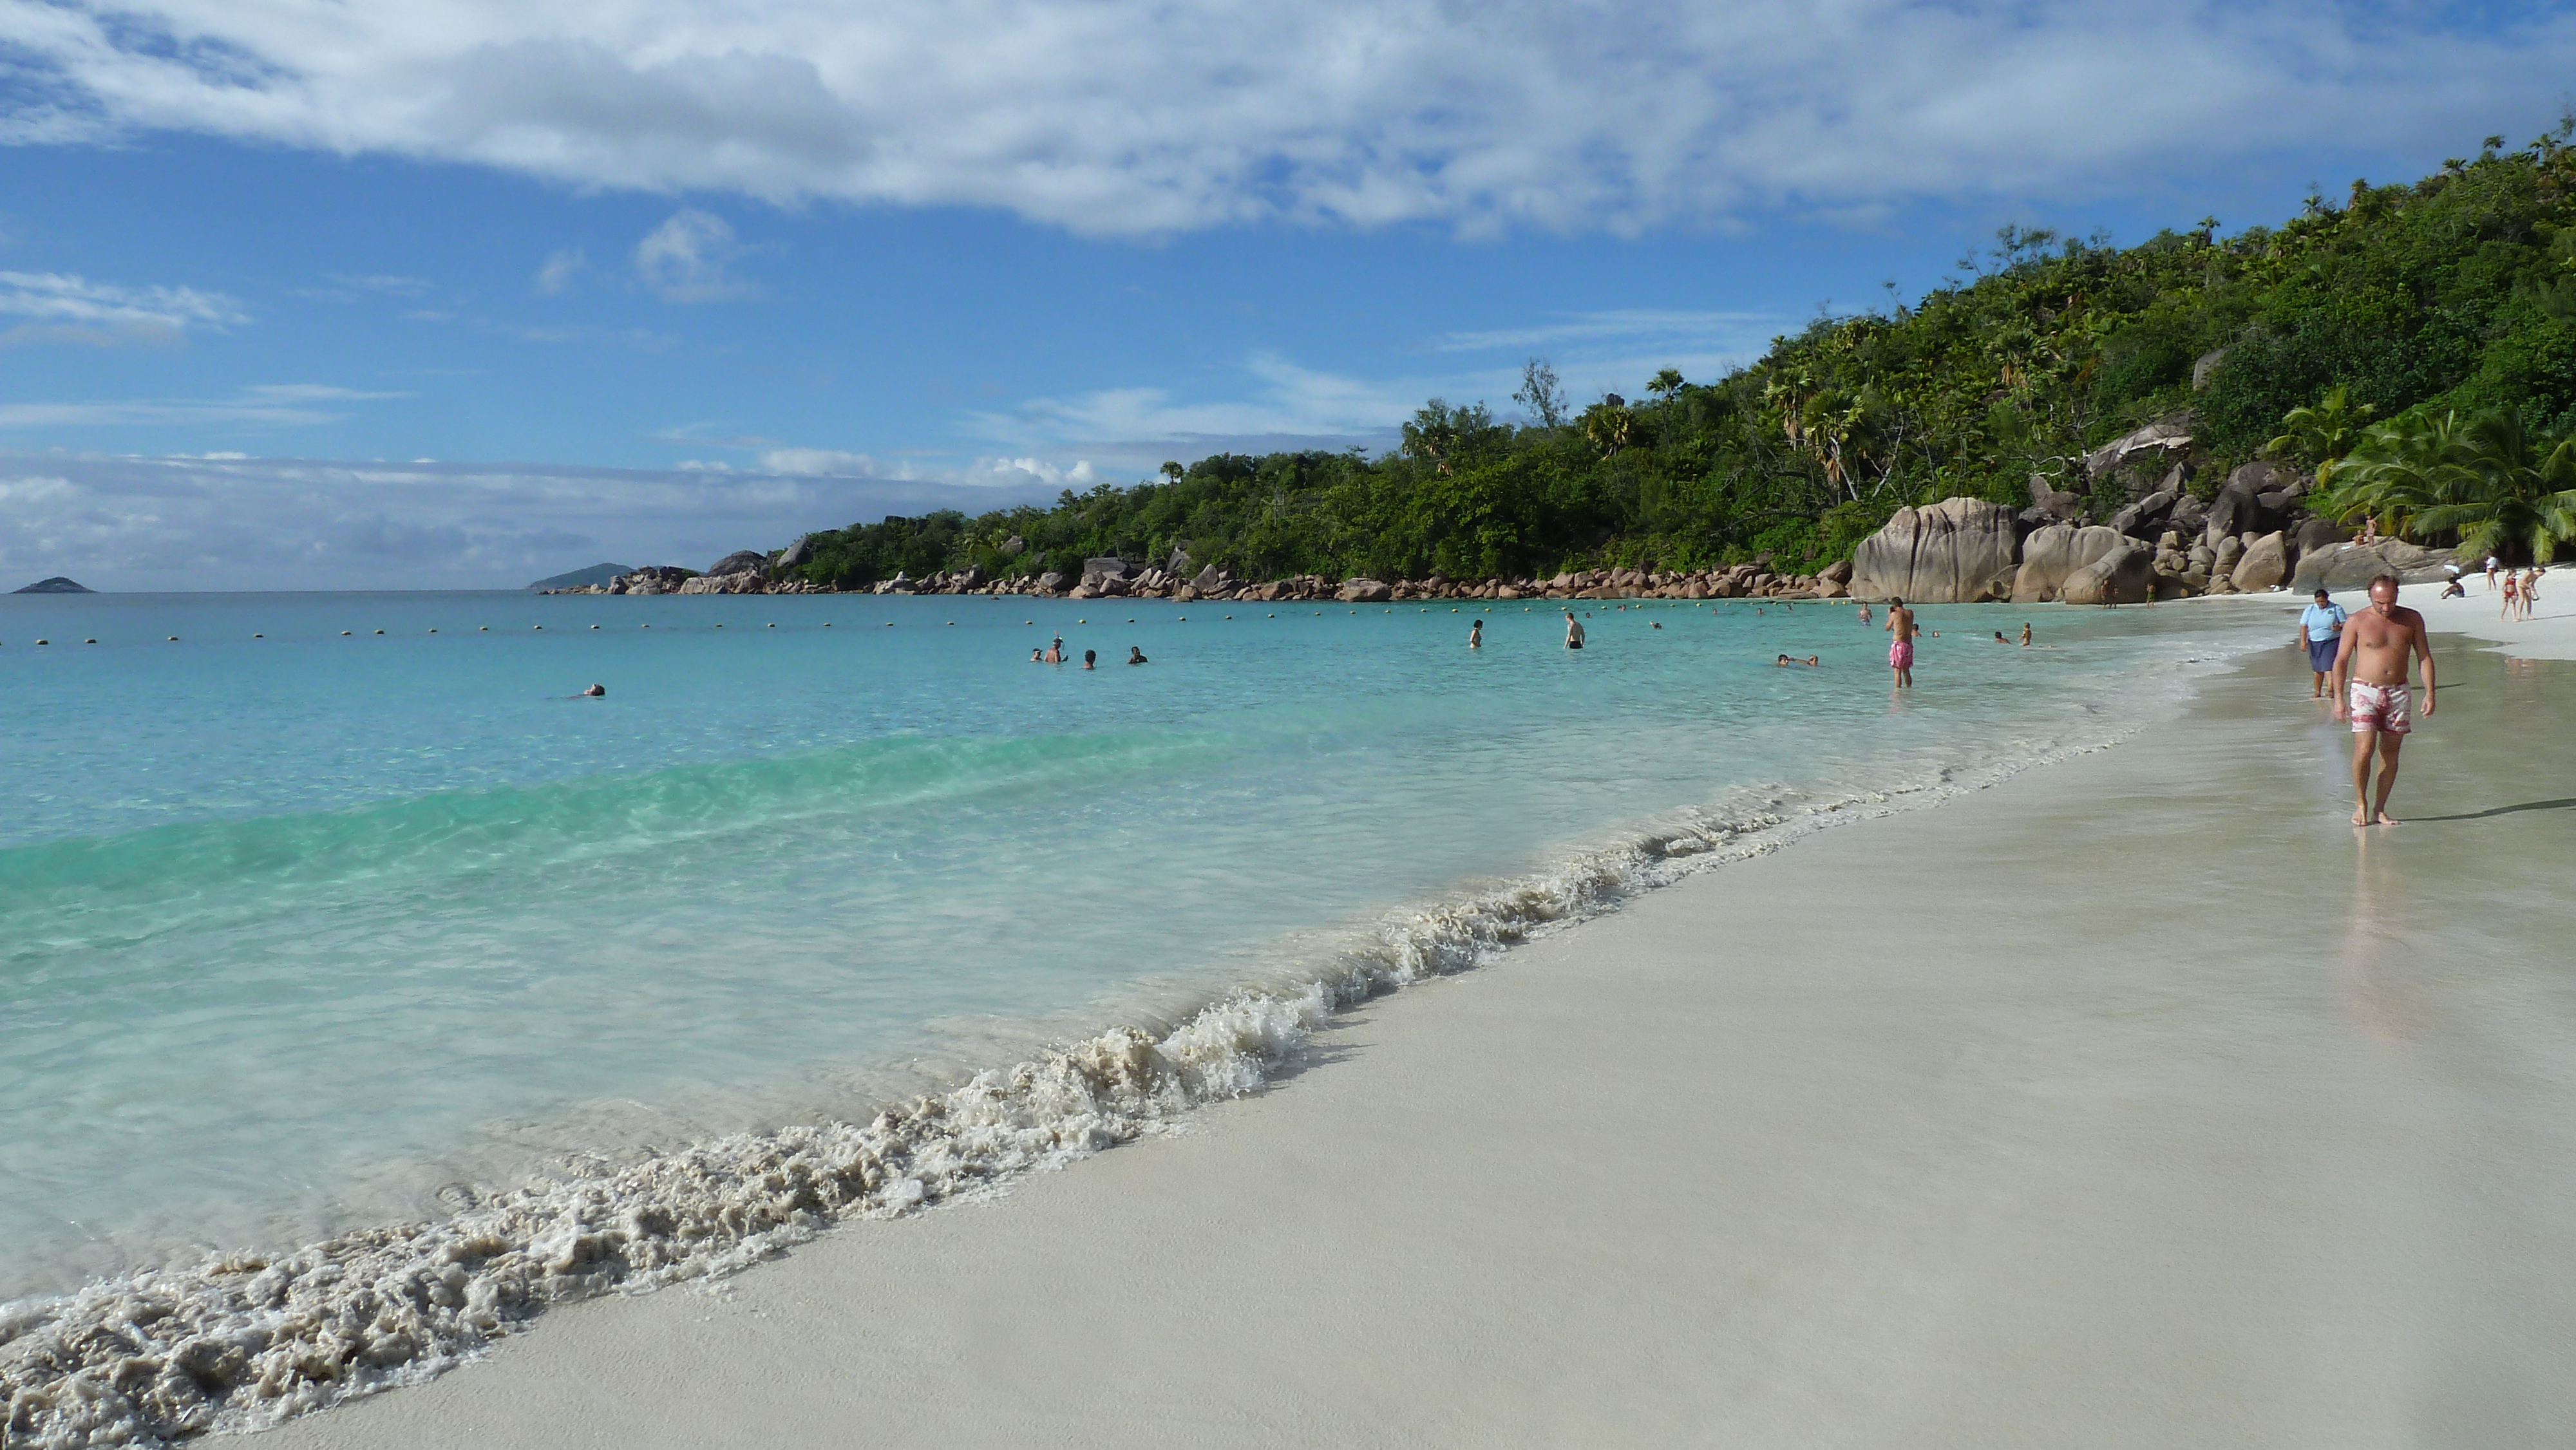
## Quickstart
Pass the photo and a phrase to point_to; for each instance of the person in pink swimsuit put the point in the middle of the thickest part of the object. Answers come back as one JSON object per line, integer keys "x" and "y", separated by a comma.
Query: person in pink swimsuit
{"x": 1900, "y": 653}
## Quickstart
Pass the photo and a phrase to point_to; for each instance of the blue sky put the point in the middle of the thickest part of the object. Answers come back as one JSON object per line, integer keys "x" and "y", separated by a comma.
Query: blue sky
{"x": 336, "y": 295}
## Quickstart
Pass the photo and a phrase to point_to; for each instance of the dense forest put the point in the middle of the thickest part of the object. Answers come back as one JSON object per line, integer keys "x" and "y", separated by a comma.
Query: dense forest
{"x": 2395, "y": 309}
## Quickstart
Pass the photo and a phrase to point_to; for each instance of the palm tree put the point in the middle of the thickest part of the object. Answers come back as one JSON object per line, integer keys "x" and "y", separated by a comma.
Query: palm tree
{"x": 2480, "y": 475}
{"x": 2320, "y": 434}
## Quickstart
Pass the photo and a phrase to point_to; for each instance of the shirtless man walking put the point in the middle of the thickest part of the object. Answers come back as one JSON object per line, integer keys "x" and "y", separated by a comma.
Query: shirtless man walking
{"x": 1900, "y": 655}
{"x": 2370, "y": 689}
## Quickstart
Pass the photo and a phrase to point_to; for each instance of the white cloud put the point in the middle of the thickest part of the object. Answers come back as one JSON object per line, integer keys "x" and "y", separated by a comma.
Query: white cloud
{"x": 273, "y": 404}
{"x": 686, "y": 259}
{"x": 61, "y": 307}
{"x": 1141, "y": 117}
{"x": 562, "y": 265}
{"x": 217, "y": 523}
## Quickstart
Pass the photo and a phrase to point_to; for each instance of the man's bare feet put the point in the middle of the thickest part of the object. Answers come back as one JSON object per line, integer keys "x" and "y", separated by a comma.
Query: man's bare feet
{"x": 2361, "y": 815}
{"x": 2385, "y": 819}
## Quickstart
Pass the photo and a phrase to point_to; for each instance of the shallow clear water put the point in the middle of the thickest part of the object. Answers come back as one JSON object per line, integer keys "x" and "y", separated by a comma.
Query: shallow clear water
{"x": 294, "y": 930}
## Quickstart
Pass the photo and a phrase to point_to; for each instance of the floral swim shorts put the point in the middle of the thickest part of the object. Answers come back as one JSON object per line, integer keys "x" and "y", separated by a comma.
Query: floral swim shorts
{"x": 2388, "y": 709}
{"x": 1901, "y": 654}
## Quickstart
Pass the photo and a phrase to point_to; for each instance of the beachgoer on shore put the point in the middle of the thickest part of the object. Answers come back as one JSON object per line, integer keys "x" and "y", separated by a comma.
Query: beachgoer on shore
{"x": 1476, "y": 635}
{"x": 1900, "y": 650}
{"x": 2530, "y": 590}
{"x": 2370, "y": 690}
{"x": 2491, "y": 573}
{"x": 2320, "y": 633}
{"x": 1573, "y": 631}
{"x": 2512, "y": 596}
{"x": 2453, "y": 589}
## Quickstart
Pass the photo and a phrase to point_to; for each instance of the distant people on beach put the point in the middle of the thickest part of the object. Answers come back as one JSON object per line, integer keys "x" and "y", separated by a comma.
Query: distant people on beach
{"x": 2370, "y": 690}
{"x": 2321, "y": 635}
{"x": 2512, "y": 596}
{"x": 1573, "y": 631}
{"x": 2454, "y": 589}
{"x": 1136, "y": 656}
{"x": 2530, "y": 590}
{"x": 1900, "y": 651}
{"x": 1476, "y": 635}
{"x": 2491, "y": 573}
{"x": 2370, "y": 528}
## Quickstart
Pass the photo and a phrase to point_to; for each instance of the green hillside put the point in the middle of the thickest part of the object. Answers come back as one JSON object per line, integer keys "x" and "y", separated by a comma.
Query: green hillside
{"x": 2453, "y": 295}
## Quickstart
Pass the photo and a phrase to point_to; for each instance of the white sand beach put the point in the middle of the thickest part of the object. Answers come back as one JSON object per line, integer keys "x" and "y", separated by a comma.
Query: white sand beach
{"x": 2136, "y": 1101}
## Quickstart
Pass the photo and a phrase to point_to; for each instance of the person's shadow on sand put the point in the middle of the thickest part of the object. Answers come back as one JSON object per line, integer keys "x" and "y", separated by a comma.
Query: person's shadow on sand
{"x": 2502, "y": 810}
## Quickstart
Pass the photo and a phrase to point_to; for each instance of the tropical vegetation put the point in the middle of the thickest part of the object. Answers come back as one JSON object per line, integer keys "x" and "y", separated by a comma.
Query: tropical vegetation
{"x": 2414, "y": 344}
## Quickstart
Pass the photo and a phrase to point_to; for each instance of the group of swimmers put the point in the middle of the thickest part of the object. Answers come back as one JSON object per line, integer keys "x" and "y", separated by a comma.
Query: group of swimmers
{"x": 1053, "y": 654}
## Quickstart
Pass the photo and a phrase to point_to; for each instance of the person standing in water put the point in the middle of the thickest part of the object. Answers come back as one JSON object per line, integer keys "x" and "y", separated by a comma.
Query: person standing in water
{"x": 2370, "y": 690}
{"x": 1864, "y": 614}
{"x": 2025, "y": 634}
{"x": 1476, "y": 635}
{"x": 1900, "y": 653}
{"x": 1573, "y": 631}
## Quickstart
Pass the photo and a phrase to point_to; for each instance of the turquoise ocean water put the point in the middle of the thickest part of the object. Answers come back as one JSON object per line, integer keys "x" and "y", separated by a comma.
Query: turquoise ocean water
{"x": 301, "y": 932}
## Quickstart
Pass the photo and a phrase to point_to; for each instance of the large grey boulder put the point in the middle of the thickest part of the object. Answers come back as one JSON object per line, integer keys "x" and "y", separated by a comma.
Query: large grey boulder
{"x": 2145, "y": 518}
{"x": 2054, "y": 502}
{"x": 2353, "y": 566}
{"x": 2156, "y": 440}
{"x": 2266, "y": 564}
{"x": 740, "y": 561}
{"x": 2054, "y": 554}
{"x": 1362, "y": 591}
{"x": 1050, "y": 582}
{"x": 1096, "y": 572}
{"x": 1958, "y": 551}
{"x": 2126, "y": 575}
{"x": 2317, "y": 532}
{"x": 797, "y": 554}
{"x": 2205, "y": 367}
{"x": 2189, "y": 517}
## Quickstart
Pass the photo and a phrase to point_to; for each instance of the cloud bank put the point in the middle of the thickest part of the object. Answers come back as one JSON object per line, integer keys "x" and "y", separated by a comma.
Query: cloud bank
{"x": 1140, "y": 117}
{"x": 243, "y": 523}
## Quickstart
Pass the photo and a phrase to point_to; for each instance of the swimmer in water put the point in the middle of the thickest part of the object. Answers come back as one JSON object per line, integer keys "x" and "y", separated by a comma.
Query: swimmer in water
{"x": 595, "y": 692}
{"x": 1476, "y": 635}
{"x": 1136, "y": 656}
{"x": 2025, "y": 636}
{"x": 1037, "y": 657}
{"x": 1088, "y": 657}
{"x": 1573, "y": 631}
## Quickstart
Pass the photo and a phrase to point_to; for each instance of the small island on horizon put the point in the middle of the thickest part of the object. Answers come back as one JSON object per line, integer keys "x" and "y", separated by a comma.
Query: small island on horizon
{"x": 56, "y": 585}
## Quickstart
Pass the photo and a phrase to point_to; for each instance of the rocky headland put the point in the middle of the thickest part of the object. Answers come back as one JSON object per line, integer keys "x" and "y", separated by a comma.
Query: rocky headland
{"x": 56, "y": 585}
{"x": 2162, "y": 541}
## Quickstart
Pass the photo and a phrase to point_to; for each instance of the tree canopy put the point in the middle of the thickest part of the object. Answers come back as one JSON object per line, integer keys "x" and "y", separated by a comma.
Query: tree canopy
{"x": 2453, "y": 293}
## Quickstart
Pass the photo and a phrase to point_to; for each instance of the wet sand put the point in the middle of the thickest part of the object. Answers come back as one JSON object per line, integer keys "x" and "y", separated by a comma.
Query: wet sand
{"x": 2136, "y": 1101}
